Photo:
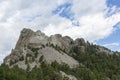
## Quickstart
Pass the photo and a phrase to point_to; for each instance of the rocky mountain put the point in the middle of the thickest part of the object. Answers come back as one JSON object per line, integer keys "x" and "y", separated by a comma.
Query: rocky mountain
{"x": 34, "y": 48}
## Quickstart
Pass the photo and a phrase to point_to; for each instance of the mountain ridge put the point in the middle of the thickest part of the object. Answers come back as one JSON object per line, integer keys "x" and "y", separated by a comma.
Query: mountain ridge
{"x": 29, "y": 39}
{"x": 37, "y": 40}
{"x": 63, "y": 56}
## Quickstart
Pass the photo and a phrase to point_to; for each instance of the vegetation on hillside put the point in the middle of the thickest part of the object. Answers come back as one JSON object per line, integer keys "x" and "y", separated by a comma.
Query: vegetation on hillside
{"x": 93, "y": 66}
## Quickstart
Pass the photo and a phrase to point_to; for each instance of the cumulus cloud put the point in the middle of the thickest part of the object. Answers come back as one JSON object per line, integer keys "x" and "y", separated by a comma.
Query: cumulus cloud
{"x": 92, "y": 27}
{"x": 92, "y": 19}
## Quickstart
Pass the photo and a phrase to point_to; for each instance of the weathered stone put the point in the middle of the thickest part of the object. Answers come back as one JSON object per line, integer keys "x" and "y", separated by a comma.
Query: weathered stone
{"x": 32, "y": 45}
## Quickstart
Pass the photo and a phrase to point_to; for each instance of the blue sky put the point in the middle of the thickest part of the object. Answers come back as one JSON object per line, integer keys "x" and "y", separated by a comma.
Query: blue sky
{"x": 97, "y": 21}
{"x": 111, "y": 3}
{"x": 113, "y": 40}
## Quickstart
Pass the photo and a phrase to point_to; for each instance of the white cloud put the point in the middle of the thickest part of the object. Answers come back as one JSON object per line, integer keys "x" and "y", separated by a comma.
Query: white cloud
{"x": 93, "y": 27}
{"x": 86, "y": 7}
{"x": 115, "y": 46}
{"x": 94, "y": 24}
{"x": 111, "y": 44}
{"x": 17, "y": 14}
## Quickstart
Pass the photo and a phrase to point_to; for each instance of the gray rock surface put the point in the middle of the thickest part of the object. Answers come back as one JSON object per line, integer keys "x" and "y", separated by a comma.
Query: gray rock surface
{"x": 32, "y": 45}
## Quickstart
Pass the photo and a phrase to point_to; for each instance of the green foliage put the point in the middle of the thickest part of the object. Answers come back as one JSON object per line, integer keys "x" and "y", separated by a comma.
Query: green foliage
{"x": 94, "y": 66}
{"x": 41, "y": 58}
{"x": 101, "y": 66}
{"x": 56, "y": 47}
{"x": 26, "y": 60}
{"x": 29, "y": 55}
{"x": 36, "y": 54}
{"x": 12, "y": 74}
{"x": 11, "y": 62}
{"x": 46, "y": 72}
{"x": 28, "y": 68}
{"x": 21, "y": 58}
{"x": 32, "y": 49}
{"x": 65, "y": 78}
{"x": 33, "y": 59}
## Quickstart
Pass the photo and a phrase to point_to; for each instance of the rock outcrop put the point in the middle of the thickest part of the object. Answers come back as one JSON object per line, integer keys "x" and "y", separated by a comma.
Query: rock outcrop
{"x": 34, "y": 47}
{"x": 31, "y": 46}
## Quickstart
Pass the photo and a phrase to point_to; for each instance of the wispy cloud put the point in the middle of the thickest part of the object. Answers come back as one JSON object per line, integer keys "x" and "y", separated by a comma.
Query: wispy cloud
{"x": 111, "y": 44}
{"x": 115, "y": 46}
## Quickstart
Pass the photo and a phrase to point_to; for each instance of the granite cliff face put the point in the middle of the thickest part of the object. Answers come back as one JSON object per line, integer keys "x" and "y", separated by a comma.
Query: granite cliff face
{"x": 61, "y": 57}
{"x": 34, "y": 47}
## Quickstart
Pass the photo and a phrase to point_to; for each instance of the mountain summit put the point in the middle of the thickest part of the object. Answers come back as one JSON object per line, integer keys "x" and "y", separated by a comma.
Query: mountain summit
{"x": 34, "y": 49}
{"x": 32, "y": 46}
